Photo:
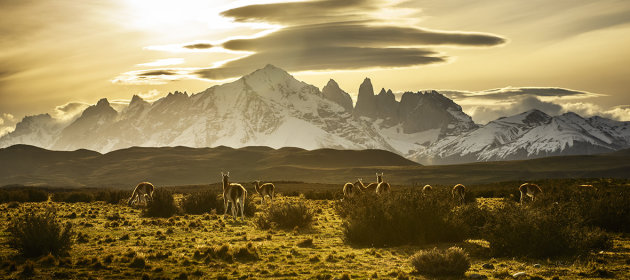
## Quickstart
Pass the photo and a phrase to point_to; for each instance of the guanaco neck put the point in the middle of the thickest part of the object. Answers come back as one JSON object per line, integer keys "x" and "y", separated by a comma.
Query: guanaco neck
{"x": 225, "y": 183}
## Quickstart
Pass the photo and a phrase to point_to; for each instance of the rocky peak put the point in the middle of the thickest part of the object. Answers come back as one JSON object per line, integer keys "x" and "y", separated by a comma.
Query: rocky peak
{"x": 332, "y": 92}
{"x": 135, "y": 99}
{"x": 536, "y": 117}
{"x": 366, "y": 102}
{"x": 102, "y": 108}
{"x": 387, "y": 107}
{"x": 269, "y": 73}
{"x": 103, "y": 102}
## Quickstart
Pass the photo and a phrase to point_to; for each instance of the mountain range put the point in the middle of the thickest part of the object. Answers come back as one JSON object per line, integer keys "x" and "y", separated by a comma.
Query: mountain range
{"x": 178, "y": 166}
{"x": 269, "y": 107}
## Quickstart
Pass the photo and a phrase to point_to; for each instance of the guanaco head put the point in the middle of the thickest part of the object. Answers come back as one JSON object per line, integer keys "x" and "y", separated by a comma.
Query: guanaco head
{"x": 379, "y": 177}
{"x": 257, "y": 186}
{"x": 226, "y": 177}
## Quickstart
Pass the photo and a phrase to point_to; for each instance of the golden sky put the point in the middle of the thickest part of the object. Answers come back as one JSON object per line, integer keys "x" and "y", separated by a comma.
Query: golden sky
{"x": 58, "y": 56}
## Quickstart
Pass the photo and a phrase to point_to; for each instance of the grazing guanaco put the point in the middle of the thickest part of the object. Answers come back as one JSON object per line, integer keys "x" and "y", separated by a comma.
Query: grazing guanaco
{"x": 266, "y": 189}
{"x": 459, "y": 193}
{"x": 143, "y": 191}
{"x": 529, "y": 189}
{"x": 427, "y": 189}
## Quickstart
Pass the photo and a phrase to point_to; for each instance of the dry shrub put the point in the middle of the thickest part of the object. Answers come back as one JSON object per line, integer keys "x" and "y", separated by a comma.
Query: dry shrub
{"x": 112, "y": 196}
{"x": 73, "y": 197}
{"x": 23, "y": 195}
{"x": 229, "y": 253}
{"x": 450, "y": 262}
{"x": 604, "y": 207}
{"x": 323, "y": 195}
{"x": 202, "y": 202}
{"x": 541, "y": 232}
{"x": 162, "y": 205}
{"x": 34, "y": 234}
{"x": 402, "y": 217}
{"x": 285, "y": 215}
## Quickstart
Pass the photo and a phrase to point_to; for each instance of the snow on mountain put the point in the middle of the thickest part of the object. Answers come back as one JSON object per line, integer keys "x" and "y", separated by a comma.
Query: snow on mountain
{"x": 531, "y": 134}
{"x": 269, "y": 107}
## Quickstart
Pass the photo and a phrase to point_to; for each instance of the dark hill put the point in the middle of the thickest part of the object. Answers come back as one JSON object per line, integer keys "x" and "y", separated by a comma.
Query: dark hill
{"x": 29, "y": 165}
{"x": 22, "y": 164}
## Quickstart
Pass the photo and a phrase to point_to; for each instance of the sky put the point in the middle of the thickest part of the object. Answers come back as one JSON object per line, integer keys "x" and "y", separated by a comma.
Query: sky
{"x": 493, "y": 57}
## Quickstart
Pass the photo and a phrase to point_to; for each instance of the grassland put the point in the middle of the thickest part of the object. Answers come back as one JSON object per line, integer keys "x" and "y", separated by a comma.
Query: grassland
{"x": 114, "y": 241}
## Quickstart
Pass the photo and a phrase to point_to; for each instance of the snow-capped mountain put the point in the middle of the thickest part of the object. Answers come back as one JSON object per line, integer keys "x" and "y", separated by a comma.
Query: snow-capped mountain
{"x": 531, "y": 134}
{"x": 269, "y": 107}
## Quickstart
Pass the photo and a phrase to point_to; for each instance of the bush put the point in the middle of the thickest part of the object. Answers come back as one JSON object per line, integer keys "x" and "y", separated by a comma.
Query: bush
{"x": 23, "y": 195}
{"x": 112, "y": 196}
{"x": 401, "y": 217}
{"x": 323, "y": 195}
{"x": 541, "y": 232}
{"x": 470, "y": 219}
{"x": 607, "y": 208}
{"x": 229, "y": 253}
{"x": 286, "y": 215}
{"x": 202, "y": 202}
{"x": 162, "y": 205}
{"x": 34, "y": 235}
{"x": 73, "y": 197}
{"x": 450, "y": 262}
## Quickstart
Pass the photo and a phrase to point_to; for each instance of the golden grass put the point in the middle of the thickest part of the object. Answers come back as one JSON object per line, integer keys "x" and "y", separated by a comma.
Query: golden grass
{"x": 116, "y": 241}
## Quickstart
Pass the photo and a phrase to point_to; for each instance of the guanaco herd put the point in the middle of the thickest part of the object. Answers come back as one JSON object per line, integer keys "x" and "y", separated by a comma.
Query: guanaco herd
{"x": 236, "y": 194}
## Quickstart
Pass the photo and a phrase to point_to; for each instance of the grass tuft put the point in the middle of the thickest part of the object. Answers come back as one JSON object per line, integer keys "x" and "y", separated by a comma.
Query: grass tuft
{"x": 450, "y": 262}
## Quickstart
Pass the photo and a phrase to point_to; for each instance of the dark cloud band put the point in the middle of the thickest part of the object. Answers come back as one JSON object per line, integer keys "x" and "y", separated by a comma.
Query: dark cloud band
{"x": 301, "y": 12}
{"x": 359, "y": 35}
{"x": 198, "y": 46}
{"x": 324, "y": 59}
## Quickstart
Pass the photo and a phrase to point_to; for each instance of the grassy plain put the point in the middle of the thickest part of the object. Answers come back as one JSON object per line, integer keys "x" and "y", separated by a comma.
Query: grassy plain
{"x": 115, "y": 242}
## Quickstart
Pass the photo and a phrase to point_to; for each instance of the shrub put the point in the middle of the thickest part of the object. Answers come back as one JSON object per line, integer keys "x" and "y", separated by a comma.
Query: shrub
{"x": 202, "y": 202}
{"x": 607, "y": 208}
{"x": 229, "y": 253}
{"x": 73, "y": 197}
{"x": 286, "y": 215}
{"x": 401, "y": 217}
{"x": 162, "y": 205}
{"x": 112, "y": 196}
{"x": 34, "y": 234}
{"x": 450, "y": 262}
{"x": 323, "y": 195}
{"x": 470, "y": 219}
{"x": 541, "y": 232}
{"x": 23, "y": 195}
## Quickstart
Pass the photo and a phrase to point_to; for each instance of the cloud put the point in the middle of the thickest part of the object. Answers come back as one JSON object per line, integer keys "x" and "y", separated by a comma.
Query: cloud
{"x": 320, "y": 35}
{"x": 302, "y": 12}
{"x": 163, "y": 62}
{"x": 488, "y": 105}
{"x": 155, "y": 76}
{"x": 189, "y": 47}
{"x": 198, "y": 46}
{"x": 324, "y": 58}
{"x": 69, "y": 110}
{"x": 620, "y": 113}
{"x": 150, "y": 95}
{"x": 7, "y": 123}
{"x": 509, "y": 92}
{"x": 359, "y": 34}
{"x": 484, "y": 114}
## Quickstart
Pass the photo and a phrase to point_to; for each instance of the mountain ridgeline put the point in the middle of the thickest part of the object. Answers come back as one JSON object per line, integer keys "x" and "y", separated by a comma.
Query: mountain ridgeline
{"x": 269, "y": 107}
